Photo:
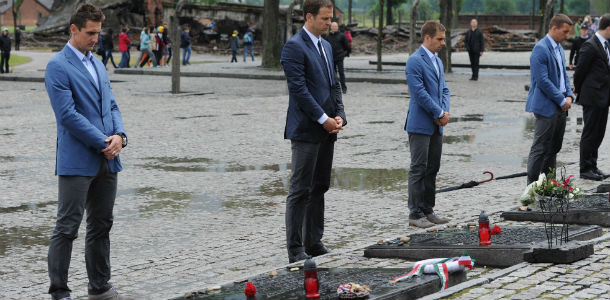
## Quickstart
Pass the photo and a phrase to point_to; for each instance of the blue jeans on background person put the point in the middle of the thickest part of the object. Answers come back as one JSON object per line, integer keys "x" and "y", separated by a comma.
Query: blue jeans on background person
{"x": 186, "y": 55}
{"x": 109, "y": 57}
{"x": 124, "y": 59}
{"x": 246, "y": 48}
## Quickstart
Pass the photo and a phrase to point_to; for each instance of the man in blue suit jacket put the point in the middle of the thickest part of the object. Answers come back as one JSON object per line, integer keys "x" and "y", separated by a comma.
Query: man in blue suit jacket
{"x": 428, "y": 114}
{"x": 550, "y": 97}
{"x": 315, "y": 116}
{"x": 90, "y": 136}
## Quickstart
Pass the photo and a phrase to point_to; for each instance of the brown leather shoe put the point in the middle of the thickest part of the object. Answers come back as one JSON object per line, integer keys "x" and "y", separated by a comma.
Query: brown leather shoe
{"x": 111, "y": 294}
{"x": 436, "y": 219}
{"x": 421, "y": 223}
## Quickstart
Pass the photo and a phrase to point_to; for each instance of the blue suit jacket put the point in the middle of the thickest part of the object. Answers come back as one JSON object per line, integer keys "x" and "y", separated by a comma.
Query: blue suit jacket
{"x": 544, "y": 97}
{"x": 311, "y": 94}
{"x": 85, "y": 115}
{"x": 429, "y": 93}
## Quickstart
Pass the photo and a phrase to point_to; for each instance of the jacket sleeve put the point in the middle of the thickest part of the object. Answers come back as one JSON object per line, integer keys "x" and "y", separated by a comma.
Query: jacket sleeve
{"x": 293, "y": 61}
{"x": 338, "y": 97}
{"x": 419, "y": 94}
{"x": 539, "y": 69}
{"x": 467, "y": 40}
{"x": 59, "y": 89}
{"x": 482, "y": 41}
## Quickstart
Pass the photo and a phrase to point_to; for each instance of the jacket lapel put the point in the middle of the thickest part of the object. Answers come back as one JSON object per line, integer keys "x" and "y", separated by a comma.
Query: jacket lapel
{"x": 427, "y": 59}
{"x": 601, "y": 49}
{"x": 313, "y": 48}
{"x": 73, "y": 59}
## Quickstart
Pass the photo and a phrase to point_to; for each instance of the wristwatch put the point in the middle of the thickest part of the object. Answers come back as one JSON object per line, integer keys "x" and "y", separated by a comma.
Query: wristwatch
{"x": 124, "y": 137}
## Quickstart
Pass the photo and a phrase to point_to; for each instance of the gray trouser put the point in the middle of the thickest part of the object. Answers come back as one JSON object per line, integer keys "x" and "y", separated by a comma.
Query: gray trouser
{"x": 310, "y": 179}
{"x": 548, "y": 137}
{"x": 149, "y": 54}
{"x": 95, "y": 195}
{"x": 426, "y": 153}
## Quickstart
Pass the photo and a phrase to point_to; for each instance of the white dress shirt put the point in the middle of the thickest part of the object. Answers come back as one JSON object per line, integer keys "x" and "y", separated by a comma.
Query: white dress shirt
{"x": 433, "y": 57}
{"x": 88, "y": 63}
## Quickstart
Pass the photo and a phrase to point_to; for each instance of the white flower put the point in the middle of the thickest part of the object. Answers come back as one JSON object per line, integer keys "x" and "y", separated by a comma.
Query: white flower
{"x": 541, "y": 179}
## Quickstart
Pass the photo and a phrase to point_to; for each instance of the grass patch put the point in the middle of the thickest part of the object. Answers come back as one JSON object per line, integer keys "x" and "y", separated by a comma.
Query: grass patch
{"x": 16, "y": 60}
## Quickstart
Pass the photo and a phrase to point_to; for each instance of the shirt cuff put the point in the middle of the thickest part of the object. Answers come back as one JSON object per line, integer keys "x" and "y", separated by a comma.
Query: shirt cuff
{"x": 323, "y": 119}
{"x": 563, "y": 102}
{"x": 441, "y": 115}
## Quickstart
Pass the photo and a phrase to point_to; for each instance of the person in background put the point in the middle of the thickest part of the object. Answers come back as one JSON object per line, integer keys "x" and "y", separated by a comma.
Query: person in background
{"x": 124, "y": 47}
{"x": 234, "y": 43}
{"x": 100, "y": 46}
{"x": 475, "y": 45}
{"x": 108, "y": 46}
{"x": 167, "y": 51}
{"x": 576, "y": 44}
{"x": 348, "y": 35}
{"x": 17, "y": 38}
{"x": 145, "y": 52}
{"x": 5, "y": 50}
{"x": 248, "y": 43}
{"x": 338, "y": 42}
{"x": 185, "y": 44}
{"x": 159, "y": 45}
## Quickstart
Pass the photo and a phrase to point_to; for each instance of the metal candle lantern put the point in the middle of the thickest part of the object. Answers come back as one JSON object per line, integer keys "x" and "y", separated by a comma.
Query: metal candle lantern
{"x": 311, "y": 279}
{"x": 484, "y": 232}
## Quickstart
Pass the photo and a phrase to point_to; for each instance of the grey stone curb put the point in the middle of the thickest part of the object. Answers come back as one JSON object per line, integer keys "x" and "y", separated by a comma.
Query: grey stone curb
{"x": 250, "y": 76}
{"x": 484, "y": 66}
{"x": 21, "y": 78}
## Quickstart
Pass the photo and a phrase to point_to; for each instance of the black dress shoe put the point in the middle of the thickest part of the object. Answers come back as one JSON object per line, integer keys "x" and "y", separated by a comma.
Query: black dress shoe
{"x": 297, "y": 257}
{"x": 591, "y": 176}
{"x": 600, "y": 173}
{"x": 318, "y": 250}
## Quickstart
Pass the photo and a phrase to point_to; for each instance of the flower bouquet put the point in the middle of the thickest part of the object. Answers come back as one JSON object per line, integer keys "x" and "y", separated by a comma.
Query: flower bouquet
{"x": 549, "y": 187}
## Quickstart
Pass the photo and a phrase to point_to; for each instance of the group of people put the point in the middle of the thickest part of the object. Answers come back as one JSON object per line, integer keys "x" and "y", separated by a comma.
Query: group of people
{"x": 155, "y": 47}
{"x": 248, "y": 43}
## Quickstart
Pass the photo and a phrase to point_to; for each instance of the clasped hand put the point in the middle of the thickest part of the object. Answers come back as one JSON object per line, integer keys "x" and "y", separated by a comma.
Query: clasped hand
{"x": 115, "y": 144}
{"x": 444, "y": 120}
{"x": 333, "y": 125}
{"x": 568, "y": 104}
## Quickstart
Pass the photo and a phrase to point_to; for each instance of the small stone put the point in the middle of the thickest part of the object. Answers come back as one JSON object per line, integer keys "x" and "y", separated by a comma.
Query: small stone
{"x": 273, "y": 273}
{"x": 472, "y": 227}
{"x": 441, "y": 229}
{"x": 433, "y": 229}
{"x": 523, "y": 208}
{"x": 380, "y": 242}
{"x": 203, "y": 291}
{"x": 214, "y": 288}
{"x": 188, "y": 295}
{"x": 294, "y": 269}
{"x": 405, "y": 239}
{"x": 451, "y": 226}
{"x": 388, "y": 241}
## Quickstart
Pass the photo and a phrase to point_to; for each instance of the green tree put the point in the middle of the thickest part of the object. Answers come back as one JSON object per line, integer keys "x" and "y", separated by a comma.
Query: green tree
{"x": 499, "y": 7}
{"x": 577, "y": 7}
{"x": 16, "y": 9}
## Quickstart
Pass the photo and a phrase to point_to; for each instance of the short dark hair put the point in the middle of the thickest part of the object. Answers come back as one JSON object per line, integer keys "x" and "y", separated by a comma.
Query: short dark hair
{"x": 604, "y": 22}
{"x": 431, "y": 27}
{"x": 86, "y": 12}
{"x": 559, "y": 19}
{"x": 313, "y": 6}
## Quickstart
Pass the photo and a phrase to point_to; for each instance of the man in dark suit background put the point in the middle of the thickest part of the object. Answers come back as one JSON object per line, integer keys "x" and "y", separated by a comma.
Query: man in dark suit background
{"x": 315, "y": 116}
{"x": 475, "y": 45}
{"x": 592, "y": 87}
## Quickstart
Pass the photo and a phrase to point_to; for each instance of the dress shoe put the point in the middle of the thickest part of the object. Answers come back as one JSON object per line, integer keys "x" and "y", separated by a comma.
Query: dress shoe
{"x": 591, "y": 176}
{"x": 433, "y": 218}
{"x": 421, "y": 223}
{"x": 602, "y": 174}
{"x": 111, "y": 294}
{"x": 344, "y": 89}
{"x": 318, "y": 250}
{"x": 471, "y": 78}
{"x": 297, "y": 257}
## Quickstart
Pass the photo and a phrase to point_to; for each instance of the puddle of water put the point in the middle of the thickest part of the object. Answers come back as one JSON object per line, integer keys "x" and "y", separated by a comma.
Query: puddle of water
{"x": 159, "y": 200}
{"x": 512, "y": 101}
{"x": 359, "y": 179}
{"x": 24, "y": 237}
{"x": 452, "y": 139}
{"x": 468, "y": 118}
{"x": 195, "y": 117}
{"x": 7, "y": 159}
{"x": 177, "y": 164}
{"x": 345, "y": 137}
{"x": 240, "y": 114}
{"x": 25, "y": 207}
{"x": 380, "y": 122}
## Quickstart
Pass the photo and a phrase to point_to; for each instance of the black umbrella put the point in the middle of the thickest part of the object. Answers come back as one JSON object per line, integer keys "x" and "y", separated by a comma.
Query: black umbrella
{"x": 468, "y": 184}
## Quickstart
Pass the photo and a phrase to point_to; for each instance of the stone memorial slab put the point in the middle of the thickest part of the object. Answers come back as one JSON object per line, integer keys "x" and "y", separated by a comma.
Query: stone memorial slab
{"x": 506, "y": 249}
{"x": 590, "y": 210}
{"x": 289, "y": 285}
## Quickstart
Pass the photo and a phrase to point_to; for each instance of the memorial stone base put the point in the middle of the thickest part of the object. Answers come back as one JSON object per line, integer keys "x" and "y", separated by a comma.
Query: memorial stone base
{"x": 506, "y": 249}
{"x": 288, "y": 285}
